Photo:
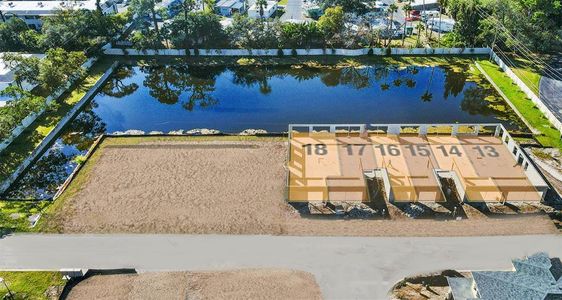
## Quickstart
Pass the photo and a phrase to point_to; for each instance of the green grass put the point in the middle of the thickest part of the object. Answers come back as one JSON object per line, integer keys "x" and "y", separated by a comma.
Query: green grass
{"x": 22, "y": 146}
{"x": 528, "y": 72}
{"x": 283, "y": 2}
{"x": 550, "y": 137}
{"x": 32, "y": 285}
{"x": 316, "y": 61}
{"x": 53, "y": 215}
{"x": 14, "y": 214}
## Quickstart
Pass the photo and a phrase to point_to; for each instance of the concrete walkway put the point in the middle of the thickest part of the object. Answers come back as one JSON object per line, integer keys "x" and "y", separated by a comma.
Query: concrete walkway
{"x": 345, "y": 267}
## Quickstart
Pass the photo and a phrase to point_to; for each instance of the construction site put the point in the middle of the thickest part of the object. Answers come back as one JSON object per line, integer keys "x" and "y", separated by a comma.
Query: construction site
{"x": 404, "y": 163}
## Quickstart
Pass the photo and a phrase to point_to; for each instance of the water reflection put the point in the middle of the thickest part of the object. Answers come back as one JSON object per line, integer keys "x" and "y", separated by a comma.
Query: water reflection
{"x": 115, "y": 86}
{"x": 44, "y": 177}
{"x": 153, "y": 97}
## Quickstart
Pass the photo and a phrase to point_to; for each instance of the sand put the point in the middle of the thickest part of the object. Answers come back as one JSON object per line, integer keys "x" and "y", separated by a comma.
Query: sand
{"x": 239, "y": 284}
{"x": 212, "y": 187}
{"x": 231, "y": 188}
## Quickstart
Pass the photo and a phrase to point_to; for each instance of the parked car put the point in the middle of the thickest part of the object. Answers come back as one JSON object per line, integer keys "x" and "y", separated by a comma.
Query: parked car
{"x": 428, "y": 14}
{"x": 413, "y": 18}
{"x": 446, "y": 25}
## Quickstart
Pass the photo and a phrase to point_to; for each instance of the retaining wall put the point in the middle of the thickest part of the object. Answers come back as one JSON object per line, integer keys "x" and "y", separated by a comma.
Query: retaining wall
{"x": 536, "y": 100}
{"x": 299, "y": 52}
{"x": 33, "y": 116}
{"x": 53, "y": 134}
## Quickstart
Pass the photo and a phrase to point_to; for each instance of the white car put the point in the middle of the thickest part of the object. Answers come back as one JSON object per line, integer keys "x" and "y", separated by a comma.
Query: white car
{"x": 428, "y": 14}
{"x": 446, "y": 25}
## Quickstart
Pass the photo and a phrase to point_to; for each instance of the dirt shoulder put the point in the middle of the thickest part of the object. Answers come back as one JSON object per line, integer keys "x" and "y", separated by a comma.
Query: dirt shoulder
{"x": 229, "y": 185}
{"x": 238, "y": 284}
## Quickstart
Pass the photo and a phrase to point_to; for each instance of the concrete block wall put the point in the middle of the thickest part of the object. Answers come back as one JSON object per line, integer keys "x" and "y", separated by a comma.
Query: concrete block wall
{"x": 53, "y": 134}
{"x": 299, "y": 52}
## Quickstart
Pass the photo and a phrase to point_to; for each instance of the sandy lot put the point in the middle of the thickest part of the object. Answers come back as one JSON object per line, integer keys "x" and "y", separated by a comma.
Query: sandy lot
{"x": 240, "y": 284}
{"x": 183, "y": 187}
{"x": 231, "y": 187}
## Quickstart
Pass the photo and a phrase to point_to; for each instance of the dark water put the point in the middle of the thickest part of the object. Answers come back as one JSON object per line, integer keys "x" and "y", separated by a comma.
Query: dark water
{"x": 231, "y": 99}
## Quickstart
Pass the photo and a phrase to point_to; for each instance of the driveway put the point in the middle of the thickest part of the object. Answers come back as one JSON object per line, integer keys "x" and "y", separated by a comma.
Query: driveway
{"x": 293, "y": 10}
{"x": 345, "y": 267}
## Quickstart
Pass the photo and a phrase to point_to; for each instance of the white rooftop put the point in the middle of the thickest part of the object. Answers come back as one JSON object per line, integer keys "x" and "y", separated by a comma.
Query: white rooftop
{"x": 6, "y": 73}
{"x": 270, "y": 5}
{"x": 39, "y": 8}
{"x": 426, "y": 2}
{"x": 7, "y": 76}
{"x": 237, "y": 4}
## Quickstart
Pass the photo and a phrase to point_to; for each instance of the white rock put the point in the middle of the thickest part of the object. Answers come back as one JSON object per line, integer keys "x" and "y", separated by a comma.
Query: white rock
{"x": 176, "y": 132}
{"x": 134, "y": 132}
{"x": 202, "y": 131}
{"x": 253, "y": 132}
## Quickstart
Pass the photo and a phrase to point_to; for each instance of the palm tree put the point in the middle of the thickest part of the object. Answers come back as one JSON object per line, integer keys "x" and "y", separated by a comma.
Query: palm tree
{"x": 441, "y": 4}
{"x": 427, "y": 96}
{"x": 262, "y": 5}
{"x": 392, "y": 9}
{"x": 210, "y": 5}
{"x": 419, "y": 27}
{"x": 187, "y": 6}
{"x": 407, "y": 8}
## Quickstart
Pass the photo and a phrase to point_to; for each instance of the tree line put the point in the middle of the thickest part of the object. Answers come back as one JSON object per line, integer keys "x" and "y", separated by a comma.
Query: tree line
{"x": 203, "y": 29}
{"x": 535, "y": 23}
{"x": 50, "y": 74}
{"x": 68, "y": 29}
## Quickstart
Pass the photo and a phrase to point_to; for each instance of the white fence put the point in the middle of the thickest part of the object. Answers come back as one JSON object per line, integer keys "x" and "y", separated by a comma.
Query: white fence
{"x": 299, "y": 52}
{"x": 536, "y": 100}
{"x": 53, "y": 134}
{"x": 32, "y": 117}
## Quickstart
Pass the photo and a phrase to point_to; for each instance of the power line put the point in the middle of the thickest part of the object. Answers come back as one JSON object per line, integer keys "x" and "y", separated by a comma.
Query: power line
{"x": 516, "y": 42}
{"x": 519, "y": 45}
{"x": 523, "y": 77}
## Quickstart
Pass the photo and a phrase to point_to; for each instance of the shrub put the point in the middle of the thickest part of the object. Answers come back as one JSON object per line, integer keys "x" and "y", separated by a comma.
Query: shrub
{"x": 370, "y": 52}
{"x": 80, "y": 159}
{"x": 294, "y": 52}
{"x": 280, "y": 53}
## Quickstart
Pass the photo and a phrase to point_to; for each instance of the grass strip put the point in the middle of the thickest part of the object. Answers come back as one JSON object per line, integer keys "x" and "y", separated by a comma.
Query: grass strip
{"x": 32, "y": 285}
{"x": 550, "y": 136}
{"x": 311, "y": 61}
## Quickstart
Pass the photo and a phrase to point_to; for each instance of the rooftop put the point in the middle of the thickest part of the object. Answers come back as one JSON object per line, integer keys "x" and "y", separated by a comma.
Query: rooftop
{"x": 6, "y": 72}
{"x": 535, "y": 277}
{"x": 39, "y": 8}
{"x": 230, "y": 4}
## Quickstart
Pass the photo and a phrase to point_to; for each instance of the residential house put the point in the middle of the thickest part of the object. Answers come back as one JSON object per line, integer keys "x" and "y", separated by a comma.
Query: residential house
{"x": 228, "y": 8}
{"x": 268, "y": 11}
{"x": 32, "y": 12}
{"x": 537, "y": 277}
{"x": 7, "y": 76}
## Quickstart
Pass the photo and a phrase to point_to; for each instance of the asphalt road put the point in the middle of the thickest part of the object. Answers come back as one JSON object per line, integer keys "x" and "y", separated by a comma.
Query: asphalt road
{"x": 345, "y": 267}
{"x": 550, "y": 92}
{"x": 293, "y": 10}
